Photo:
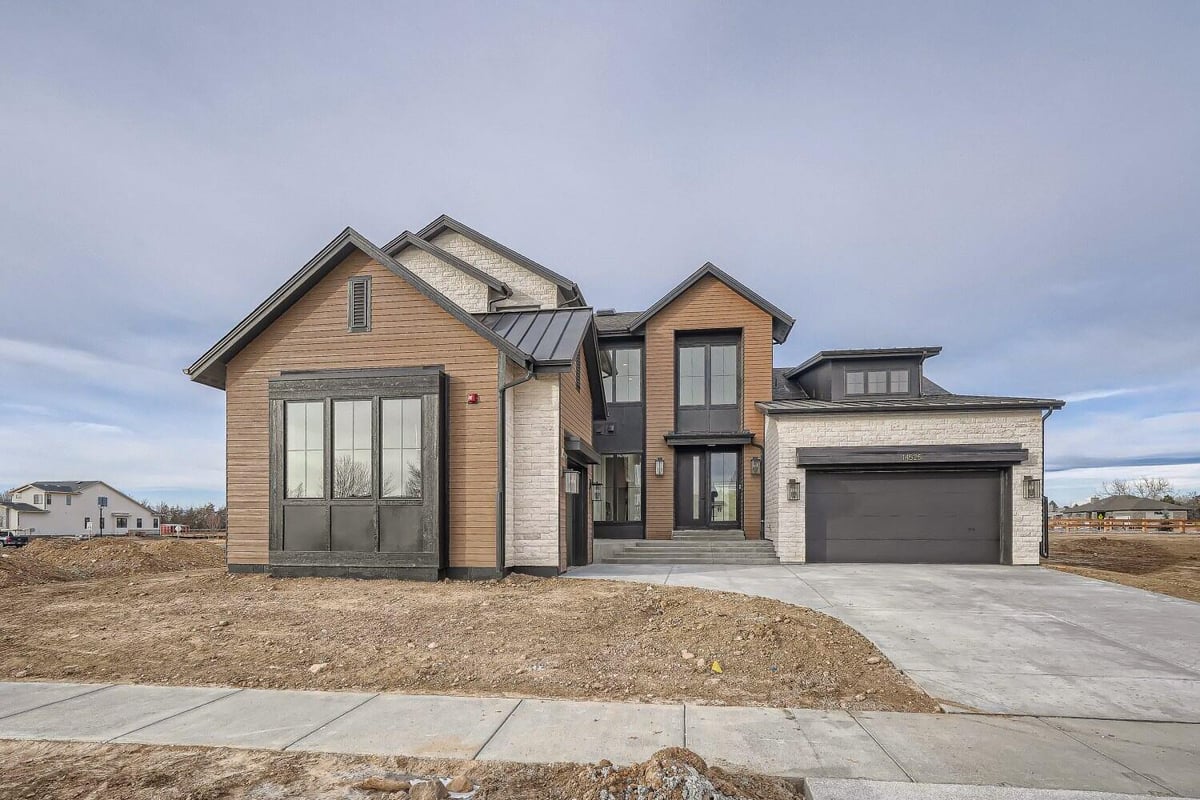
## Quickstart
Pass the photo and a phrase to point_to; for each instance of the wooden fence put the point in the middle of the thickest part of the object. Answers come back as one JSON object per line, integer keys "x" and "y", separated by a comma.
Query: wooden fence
{"x": 1069, "y": 525}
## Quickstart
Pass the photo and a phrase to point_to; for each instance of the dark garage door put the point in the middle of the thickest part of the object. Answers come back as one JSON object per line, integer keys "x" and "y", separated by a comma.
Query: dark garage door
{"x": 904, "y": 517}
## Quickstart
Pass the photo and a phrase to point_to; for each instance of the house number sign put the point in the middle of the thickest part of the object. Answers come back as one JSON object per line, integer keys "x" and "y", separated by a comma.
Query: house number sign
{"x": 912, "y": 456}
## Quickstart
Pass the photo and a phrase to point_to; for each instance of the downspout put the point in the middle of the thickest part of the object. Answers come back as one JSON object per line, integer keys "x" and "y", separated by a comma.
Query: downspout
{"x": 502, "y": 456}
{"x": 1045, "y": 548}
{"x": 762, "y": 488}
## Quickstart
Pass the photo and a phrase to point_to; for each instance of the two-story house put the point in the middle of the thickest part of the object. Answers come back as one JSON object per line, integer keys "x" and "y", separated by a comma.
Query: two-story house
{"x": 446, "y": 406}
{"x": 74, "y": 508}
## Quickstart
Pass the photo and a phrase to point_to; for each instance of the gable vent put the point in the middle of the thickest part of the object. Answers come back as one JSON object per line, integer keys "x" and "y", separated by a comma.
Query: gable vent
{"x": 359, "y": 312}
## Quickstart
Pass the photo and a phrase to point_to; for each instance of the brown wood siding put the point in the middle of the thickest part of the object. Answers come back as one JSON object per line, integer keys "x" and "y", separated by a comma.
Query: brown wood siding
{"x": 708, "y": 305}
{"x": 407, "y": 329}
{"x": 575, "y": 417}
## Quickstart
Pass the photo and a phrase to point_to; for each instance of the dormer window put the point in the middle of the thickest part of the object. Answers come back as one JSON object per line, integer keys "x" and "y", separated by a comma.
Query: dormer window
{"x": 876, "y": 381}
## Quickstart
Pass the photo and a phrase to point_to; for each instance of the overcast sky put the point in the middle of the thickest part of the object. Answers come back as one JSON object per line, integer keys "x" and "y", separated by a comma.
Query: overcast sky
{"x": 1017, "y": 182}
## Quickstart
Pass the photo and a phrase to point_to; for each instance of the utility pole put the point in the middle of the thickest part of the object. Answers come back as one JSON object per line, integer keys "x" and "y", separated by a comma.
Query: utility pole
{"x": 102, "y": 503}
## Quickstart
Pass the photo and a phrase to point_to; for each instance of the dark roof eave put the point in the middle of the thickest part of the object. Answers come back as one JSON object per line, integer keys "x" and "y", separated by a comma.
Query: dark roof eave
{"x": 209, "y": 369}
{"x": 782, "y": 322}
{"x": 853, "y": 407}
{"x": 858, "y": 354}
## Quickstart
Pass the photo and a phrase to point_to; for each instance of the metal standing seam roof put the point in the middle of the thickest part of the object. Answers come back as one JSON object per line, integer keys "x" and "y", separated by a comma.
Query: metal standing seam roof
{"x": 948, "y": 402}
{"x": 551, "y": 336}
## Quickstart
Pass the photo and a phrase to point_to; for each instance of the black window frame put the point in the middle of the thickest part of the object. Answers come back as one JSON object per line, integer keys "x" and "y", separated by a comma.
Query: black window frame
{"x": 889, "y": 384}
{"x": 610, "y": 380}
{"x": 708, "y": 341}
{"x": 601, "y": 486}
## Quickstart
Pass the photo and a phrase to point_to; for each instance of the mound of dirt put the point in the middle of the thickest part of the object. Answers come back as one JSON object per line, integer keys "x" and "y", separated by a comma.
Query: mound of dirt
{"x": 53, "y": 560}
{"x": 142, "y": 772}
{"x": 1168, "y": 563}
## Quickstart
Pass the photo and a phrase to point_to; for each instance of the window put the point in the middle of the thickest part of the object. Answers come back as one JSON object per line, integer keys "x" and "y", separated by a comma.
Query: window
{"x": 708, "y": 375}
{"x": 154, "y": 523}
{"x": 619, "y": 489}
{"x": 856, "y": 382}
{"x": 87, "y": 523}
{"x": 625, "y": 386}
{"x": 691, "y": 376}
{"x": 68, "y": 499}
{"x": 402, "y": 447}
{"x": 139, "y": 523}
{"x": 877, "y": 382}
{"x": 304, "y": 443}
{"x": 49, "y": 497}
{"x": 352, "y": 448}
{"x": 37, "y": 499}
{"x": 359, "y": 304}
{"x": 899, "y": 381}
{"x": 122, "y": 522}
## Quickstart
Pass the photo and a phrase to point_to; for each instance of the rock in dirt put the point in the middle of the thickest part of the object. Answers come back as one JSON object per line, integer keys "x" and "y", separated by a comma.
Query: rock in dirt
{"x": 317, "y": 669}
{"x": 428, "y": 790}
{"x": 670, "y": 774}
{"x": 687, "y": 655}
{"x": 874, "y": 660}
{"x": 376, "y": 784}
{"x": 460, "y": 784}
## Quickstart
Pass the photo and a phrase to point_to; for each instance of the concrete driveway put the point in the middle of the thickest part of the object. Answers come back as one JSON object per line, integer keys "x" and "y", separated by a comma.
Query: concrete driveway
{"x": 1006, "y": 640}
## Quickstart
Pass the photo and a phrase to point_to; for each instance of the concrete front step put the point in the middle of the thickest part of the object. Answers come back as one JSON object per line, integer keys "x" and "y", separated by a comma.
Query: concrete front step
{"x": 691, "y": 559}
{"x": 732, "y": 536}
{"x": 674, "y": 545}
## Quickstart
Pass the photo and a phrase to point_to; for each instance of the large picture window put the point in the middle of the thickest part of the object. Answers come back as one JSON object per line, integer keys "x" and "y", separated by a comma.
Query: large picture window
{"x": 691, "y": 376}
{"x": 625, "y": 386}
{"x": 619, "y": 493}
{"x": 402, "y": 447}
{"x": 352, "y": 448}
{"x": 304, "y": 442}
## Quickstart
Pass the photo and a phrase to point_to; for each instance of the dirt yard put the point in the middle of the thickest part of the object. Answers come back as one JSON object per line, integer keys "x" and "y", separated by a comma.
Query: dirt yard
{"x": 137, "y": 772}
{"x": 518, "y": 637}
{"x": 1160, "y": 562}
{"x": 53, "y": 560}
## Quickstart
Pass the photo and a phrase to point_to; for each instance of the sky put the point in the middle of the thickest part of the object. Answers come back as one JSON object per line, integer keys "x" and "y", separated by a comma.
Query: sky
{"x": 1018, "y": 182}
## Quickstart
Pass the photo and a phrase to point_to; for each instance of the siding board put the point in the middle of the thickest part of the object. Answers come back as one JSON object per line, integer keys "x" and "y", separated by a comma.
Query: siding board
{"x": 407, "y": 330}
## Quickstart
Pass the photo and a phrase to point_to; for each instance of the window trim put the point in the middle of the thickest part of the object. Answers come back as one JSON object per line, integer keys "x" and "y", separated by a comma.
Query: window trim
{"x": 641, "y": 487}
{"x": 610, "y": 380}
{"x": 708, "y": 342}
{"x": 365, "y": 282}
{"x": 889, "y": 385}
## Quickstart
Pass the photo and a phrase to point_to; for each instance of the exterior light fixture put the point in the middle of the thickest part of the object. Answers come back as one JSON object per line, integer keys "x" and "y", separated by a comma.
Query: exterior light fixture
{"x": 1031, "y": 487}
{"x": 658, "y": 466}
{"x": 571, "y": 481}
{"x": 756, "y": 465}
{"x": 793, "y": 489}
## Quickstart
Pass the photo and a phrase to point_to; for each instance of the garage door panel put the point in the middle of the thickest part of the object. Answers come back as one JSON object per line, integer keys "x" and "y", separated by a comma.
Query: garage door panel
{"x": 912, "y": 517}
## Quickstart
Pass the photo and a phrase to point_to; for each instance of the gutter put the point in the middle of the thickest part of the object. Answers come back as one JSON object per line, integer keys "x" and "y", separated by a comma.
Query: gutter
{"x": 502, "y": 455}
{"x": 1044, "y": 550}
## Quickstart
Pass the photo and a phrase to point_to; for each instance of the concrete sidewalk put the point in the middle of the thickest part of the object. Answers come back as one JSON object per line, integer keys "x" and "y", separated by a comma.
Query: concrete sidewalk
{"x": 1144, "y": 758}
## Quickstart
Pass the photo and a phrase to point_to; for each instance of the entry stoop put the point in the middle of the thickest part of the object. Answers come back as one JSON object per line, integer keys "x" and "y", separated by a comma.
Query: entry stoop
{"x": 697, "y": 547}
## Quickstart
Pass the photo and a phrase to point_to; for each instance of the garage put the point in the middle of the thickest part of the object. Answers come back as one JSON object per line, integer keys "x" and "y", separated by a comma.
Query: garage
{"x": 952, "y": 516}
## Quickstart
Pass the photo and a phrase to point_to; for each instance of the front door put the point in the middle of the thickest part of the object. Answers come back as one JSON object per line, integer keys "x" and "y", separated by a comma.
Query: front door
{"x": 707, "y": 489}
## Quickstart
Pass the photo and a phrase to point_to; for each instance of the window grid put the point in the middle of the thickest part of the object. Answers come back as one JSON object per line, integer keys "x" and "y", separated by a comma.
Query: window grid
{"x": 401, "y": 448}
{"x": 626, "y": 385}
{"x": 304, "y": 442}
{"x": 352, "y": 438}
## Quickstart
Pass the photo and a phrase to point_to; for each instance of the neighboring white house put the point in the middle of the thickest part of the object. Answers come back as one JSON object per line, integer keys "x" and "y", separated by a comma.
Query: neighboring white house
{"x": 72, "y": 508}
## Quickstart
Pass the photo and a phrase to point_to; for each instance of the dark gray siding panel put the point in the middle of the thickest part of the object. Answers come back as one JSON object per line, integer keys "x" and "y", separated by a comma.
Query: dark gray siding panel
{"x": 624, "y": 431}
{"x": 918, "y": 516}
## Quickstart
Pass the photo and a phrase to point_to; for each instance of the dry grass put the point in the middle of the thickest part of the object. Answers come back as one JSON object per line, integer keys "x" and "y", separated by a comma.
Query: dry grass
{"x": 1159, "y": 562}
{"x": 41, "y": 770}
{"x": 534, "y": 637}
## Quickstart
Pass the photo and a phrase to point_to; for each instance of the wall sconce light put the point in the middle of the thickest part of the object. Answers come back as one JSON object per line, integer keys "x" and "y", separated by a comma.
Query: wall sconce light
{"x": 658, "y": 466}
{"x": 1031, "y": 488}
{"x": 571, "y": 481}
{"x": 793, "y": 489}
{"x": 756, "y": 465}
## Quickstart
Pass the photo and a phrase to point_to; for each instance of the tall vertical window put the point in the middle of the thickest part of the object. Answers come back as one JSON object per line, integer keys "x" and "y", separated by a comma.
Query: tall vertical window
{"x": 352, "y": 448}
{"x": 724, "y": 375}
{"x": 304, "y": 443}
{"x": 620, "y": 489}
{"x": 68, "y": 499}
{"x": 401, "y": 451}
{"x": 625, "y": 386}
{"x": 691, "y": 376}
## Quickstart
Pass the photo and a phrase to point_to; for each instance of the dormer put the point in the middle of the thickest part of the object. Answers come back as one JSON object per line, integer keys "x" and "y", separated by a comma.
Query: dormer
{"x": 868, "y": 374}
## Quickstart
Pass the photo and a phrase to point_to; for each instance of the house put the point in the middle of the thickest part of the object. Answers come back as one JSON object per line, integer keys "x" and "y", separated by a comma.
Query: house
{"x": 1125, "y": 506}
{"x": 446, "y": 406}
{"x": 73, "y": 508}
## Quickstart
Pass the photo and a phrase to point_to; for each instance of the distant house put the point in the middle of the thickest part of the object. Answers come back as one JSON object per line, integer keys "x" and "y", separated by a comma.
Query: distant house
{"x": 1125, "y": 506}
{"x": 72, "y": 508}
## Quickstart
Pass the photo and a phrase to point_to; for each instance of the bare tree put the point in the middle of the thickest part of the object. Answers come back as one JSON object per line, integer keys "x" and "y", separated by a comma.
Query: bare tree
{"x": 1145, "y": 486}
{"x": 351, "y": 478}
{"x": 6, "y": 496}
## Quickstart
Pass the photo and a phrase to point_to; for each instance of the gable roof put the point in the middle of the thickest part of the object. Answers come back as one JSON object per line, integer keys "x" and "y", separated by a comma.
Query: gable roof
{"x": 1126, "y": 502}
{"x": 409, "y": 239}
{"x": 863, "y": 353}
{"x": 209, "y": 369}
{"x": 62, "y": 487}
{"x": 444, "y": 223}
{"x": 782, "y": 322}
{"x": 552, "y": 337}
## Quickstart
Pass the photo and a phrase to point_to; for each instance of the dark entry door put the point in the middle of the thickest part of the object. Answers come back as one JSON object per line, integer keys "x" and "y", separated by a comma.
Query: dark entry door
{"x": 905, "y": 517}
{"x": 577, "y": 544}
{"x": 707, "y": 489}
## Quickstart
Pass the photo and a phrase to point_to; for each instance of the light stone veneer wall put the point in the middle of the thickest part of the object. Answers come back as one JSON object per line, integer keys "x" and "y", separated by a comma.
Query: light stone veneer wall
{"x": 786, "y": 432}
{"x": 532, "y": 473}
{"x": 461, "y": 288}
{"x": 528, "y": 288}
